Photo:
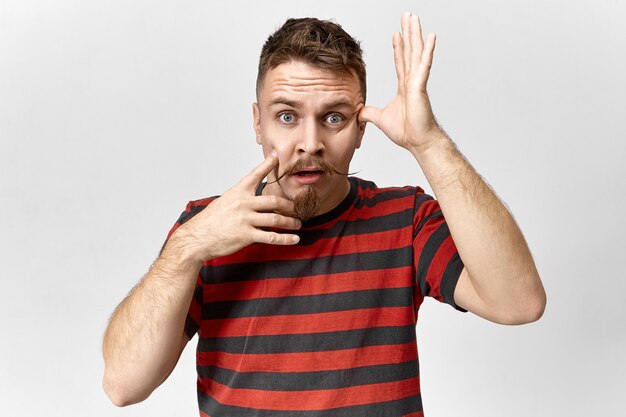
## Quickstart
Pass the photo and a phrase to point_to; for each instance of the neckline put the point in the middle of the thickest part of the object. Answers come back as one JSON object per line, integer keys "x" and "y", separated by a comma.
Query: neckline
{"x": 329, "y": 215}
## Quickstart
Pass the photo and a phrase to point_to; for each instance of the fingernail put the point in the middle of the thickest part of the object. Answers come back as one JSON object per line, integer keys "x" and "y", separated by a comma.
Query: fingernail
{"x": 274, "y": 153}
{"x": 296, "y": 239}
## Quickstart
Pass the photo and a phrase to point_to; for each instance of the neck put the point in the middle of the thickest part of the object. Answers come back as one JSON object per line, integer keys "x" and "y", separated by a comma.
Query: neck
{"x": 329, "y": 197}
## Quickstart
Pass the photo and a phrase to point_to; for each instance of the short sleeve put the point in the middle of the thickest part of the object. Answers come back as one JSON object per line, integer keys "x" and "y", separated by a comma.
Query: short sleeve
{"x": 194, "y": 315}
{"x": 437, "y": 263}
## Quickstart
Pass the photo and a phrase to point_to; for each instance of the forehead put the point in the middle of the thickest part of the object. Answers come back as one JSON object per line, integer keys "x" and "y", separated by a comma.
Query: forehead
{"x": 298, "y": 81}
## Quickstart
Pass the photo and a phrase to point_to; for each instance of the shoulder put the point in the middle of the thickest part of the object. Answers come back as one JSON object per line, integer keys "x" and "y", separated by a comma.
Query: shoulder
{"x": 369, "y": 193}
{"x": 393, "y": 202}
{"x": 202, "y": 203}
{"x": 194, "y": 207}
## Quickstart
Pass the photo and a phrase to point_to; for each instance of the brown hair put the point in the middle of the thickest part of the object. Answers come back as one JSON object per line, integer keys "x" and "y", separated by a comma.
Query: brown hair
{"x": 321, "y": 43}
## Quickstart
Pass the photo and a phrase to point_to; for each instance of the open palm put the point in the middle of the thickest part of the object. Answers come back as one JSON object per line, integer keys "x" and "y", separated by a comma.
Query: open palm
{"x": 408, "y": 119}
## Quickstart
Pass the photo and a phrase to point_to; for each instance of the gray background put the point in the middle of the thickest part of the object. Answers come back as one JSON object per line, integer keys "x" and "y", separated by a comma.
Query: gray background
{"x": 114, "y": 114}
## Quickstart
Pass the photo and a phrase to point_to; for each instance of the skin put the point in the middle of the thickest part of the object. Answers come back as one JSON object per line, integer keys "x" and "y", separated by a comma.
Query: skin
{"x": 145, "y": 336}
{"x": 306, "y": 112}
{"x": 500, "y": 281}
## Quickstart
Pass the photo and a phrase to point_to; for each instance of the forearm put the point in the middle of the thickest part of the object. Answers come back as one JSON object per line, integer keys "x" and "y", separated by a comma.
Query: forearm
{"x": 145, "y": 336}
{"x": 487, "y": 237}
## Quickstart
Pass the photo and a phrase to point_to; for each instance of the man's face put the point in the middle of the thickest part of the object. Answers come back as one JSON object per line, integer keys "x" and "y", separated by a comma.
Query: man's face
{"x": 308, "y": 116}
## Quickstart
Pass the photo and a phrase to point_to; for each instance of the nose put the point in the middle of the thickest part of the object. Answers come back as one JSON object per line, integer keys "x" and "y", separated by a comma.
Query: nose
{"x": 311, "y": 140}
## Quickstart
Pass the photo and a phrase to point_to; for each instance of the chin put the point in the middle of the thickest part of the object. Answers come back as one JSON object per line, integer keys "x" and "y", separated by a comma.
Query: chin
{"x": 307, "y": 203}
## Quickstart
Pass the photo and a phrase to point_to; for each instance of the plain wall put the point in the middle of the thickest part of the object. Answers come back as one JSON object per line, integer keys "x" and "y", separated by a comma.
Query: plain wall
{"x": 113, "y": 114}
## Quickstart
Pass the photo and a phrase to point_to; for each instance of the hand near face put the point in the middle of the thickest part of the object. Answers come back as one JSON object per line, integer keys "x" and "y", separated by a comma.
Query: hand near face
{"x": 408, "y": 120}
{"x": 235, "y": 220}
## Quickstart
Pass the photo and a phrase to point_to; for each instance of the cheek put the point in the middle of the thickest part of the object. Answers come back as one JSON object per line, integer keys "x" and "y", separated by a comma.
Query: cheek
{"x": 278, "y": 140}
{"x": 343, "y": 146}
{"x": 284, "y": 154}
{"x": 267, "y": 140}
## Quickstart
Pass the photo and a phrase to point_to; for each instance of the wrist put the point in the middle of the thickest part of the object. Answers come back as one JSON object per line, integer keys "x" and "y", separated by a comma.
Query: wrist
{"x": 179, "y": 250}
{"x": 435, "y": 140}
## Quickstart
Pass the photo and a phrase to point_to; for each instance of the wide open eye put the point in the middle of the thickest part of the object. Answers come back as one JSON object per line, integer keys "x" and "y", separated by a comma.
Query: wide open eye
{"x": 334, "y": 118}
{"x": 286, "y": 117}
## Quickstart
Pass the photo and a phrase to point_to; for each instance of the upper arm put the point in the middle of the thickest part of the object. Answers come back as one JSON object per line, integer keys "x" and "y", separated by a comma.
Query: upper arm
{"x": 466, "y": 296}
{"x": 436, "y": 260}
{"x": 174, "y": 360}
{"x": 183, "y": 342}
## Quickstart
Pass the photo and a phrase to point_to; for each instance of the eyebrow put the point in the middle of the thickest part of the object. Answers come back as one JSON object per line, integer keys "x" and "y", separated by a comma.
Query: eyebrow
{"x": 296, "y": 104}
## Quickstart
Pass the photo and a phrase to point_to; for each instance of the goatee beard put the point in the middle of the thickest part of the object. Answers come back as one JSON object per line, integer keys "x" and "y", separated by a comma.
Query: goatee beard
{"x": 307, "y": 203}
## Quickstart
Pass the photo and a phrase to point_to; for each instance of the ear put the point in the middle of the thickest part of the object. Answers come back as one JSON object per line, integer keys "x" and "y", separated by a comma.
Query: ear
{"x": 361, "y": 132}
{"x": 256, "y": 115}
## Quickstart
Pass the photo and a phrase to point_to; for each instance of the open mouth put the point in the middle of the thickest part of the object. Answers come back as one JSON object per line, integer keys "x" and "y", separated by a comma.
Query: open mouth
{"x": 308, "y": 177}
{"x": 308, "y": 173}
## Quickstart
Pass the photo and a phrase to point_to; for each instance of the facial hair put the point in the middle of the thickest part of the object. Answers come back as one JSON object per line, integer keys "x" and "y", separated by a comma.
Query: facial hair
{"x": 307, "y": 203}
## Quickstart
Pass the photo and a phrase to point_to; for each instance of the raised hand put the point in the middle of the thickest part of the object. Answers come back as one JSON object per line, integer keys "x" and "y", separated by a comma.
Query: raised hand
{"x": 408, "y": 120}
{"x": 235, "y": 220}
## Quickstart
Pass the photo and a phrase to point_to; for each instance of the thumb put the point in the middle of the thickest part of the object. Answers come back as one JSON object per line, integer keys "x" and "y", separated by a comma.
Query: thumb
{"x": 369, "y": 114}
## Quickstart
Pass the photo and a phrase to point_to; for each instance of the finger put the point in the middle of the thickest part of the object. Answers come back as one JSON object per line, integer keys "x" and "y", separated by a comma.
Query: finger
{"x": 270, "y": 203}
{"x": 406, "y": 40}
{"x": 369, "y": 114}
{"x": 273, "y": 238}
{"x": 275, "y": 220}
{"x": 417, "y": 44}
{"x": 427, "y": 58}
{"x": 254, "y": 178}
{"x": 429, "y": 49}
{"x": 398, "y": 58}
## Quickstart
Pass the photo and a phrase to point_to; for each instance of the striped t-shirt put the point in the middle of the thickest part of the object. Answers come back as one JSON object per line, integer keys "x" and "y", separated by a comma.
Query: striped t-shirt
{"x": 325, "y": 327}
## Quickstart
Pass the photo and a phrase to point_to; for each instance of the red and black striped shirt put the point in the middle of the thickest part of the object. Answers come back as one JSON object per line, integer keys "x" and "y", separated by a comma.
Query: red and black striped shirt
{"x": 325, "y": 327}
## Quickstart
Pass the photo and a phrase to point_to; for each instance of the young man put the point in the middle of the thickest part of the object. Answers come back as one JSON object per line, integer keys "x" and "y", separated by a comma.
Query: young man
{"x": 305, "y": 289}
